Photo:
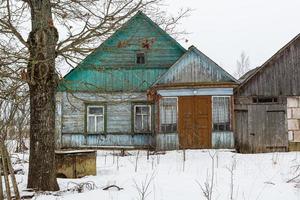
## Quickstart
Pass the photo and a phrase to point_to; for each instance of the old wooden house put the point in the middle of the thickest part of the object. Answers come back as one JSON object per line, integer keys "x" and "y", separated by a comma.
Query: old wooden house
{"x": 140, "y": 88}
{"x": 267, "y": 104}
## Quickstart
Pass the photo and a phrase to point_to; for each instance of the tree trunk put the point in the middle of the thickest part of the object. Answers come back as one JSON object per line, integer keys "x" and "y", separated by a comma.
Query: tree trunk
{"x": 42, "y": 84}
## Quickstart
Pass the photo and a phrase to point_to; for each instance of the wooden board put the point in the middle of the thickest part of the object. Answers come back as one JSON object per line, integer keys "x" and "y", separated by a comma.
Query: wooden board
{"x": 261, "y": 128}
{"x": 194, "y": 122}
{"x": 75, "y": 164}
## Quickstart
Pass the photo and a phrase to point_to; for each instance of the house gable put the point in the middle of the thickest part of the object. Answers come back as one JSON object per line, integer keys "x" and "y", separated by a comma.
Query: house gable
{"x": 112, "y": 66}
{"x": 195, "y": 67}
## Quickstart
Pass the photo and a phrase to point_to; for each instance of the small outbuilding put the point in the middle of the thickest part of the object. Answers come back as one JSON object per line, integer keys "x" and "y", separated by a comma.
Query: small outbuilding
{"x": 267, "y": 103}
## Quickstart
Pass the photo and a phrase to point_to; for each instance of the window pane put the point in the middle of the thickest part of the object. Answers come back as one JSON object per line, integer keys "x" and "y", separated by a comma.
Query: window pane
{"x": 138, "y": 122}
{"x": 140, "y": 58}
{"x": 100, "y": 124}
{"x": 138, "y": 110}
{"x": 221, "y": 113}
{"x": 145, "y": 110}
{"x": 146, "y": 123}
{"x": 96, "y": 110}
{"x": 168, "y": 115}
{"x": 91, "y": 124}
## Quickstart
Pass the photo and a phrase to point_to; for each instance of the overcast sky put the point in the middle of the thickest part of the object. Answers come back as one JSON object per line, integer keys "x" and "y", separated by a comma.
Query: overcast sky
{"x": 222, "y": 29}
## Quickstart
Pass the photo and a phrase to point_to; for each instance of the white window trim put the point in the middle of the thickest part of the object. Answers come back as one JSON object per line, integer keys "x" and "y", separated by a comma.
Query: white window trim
{"x": 230, "y": 107}
{"x": 95, "y": 118}
{"x": 160, "y": 122}
{"x": 150, "y": 117}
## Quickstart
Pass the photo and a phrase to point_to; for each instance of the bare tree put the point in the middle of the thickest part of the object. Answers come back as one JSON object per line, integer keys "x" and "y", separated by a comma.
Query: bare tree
{"x": 144, "y": 186}
{"x": 30, "y": 51}
{"x": 208, "y": 186}
{"x": 243, "y": 65}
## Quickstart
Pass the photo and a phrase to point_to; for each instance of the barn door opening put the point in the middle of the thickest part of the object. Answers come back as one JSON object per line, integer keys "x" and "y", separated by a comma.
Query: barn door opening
{"x": 194, "y": 122}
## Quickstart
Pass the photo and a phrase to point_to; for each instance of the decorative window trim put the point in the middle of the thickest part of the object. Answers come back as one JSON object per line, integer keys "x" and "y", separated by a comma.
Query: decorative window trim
{"x": 151, "y": 113}
{"x": 86, "y": 116}
{"x": 229, "y": 114}
{"x": 160, "y": 115}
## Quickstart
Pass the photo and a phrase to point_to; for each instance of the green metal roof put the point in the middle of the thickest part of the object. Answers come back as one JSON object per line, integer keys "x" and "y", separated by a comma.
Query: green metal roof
{"x": 112, "y": 66}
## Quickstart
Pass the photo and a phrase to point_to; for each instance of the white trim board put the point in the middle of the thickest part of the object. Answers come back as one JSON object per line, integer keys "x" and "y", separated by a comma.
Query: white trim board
{"x": 195, "y": 92}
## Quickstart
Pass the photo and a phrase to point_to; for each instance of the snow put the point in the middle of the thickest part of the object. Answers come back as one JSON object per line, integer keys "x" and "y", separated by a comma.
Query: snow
{"x": 255, "y": 176}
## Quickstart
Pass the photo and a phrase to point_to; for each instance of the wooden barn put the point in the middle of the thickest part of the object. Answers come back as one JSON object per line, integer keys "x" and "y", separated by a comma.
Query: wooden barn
{"x": 141, "y": 89}
{"x": 267, "y": 104}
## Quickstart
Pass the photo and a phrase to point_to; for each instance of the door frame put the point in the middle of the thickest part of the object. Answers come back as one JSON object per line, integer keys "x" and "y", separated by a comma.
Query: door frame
{"x": 210, "y": 123}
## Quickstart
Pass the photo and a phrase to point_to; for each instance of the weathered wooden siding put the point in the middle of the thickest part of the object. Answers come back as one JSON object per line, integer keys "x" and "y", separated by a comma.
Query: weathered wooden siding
{"x": 113, "y": 67}
{"x": 167, "y": 141}
{"x": 195, "y": 67}
{"x": 223, "y": 140}
{"x": 118, "y": 110}
{"x": 280, "y": 76}
{"x": 170, "y": 141}
{"x": 71, "y": 123}
{"x": 261, "y": 127}
{"x": 106, "y": 140}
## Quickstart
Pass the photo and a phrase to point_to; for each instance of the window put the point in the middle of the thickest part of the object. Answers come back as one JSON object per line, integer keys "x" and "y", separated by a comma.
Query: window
{"x": 95, "y": 119}
{"x": 142, "y": 118}
{"x": 265, "y": 99}
{"x": 168, "y": 115}
{"x": 221, "y": 113}
{"x": 140, "y": 58}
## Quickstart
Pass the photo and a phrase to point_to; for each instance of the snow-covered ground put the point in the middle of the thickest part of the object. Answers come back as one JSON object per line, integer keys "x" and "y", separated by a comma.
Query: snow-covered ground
{"x": 168, "y": 177}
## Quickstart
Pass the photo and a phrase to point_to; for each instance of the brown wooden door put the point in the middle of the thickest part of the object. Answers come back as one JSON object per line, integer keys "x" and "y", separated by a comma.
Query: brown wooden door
{"x": 194, "y": 122}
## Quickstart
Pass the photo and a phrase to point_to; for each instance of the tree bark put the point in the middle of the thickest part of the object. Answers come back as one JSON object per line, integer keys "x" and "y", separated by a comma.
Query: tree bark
{"x": 42, "y": 84}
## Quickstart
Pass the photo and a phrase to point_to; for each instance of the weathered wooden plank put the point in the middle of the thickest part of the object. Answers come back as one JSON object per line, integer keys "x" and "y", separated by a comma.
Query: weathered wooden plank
{"x": 80, "y": 140}
{"x": 261, "y": 128}
{"x": 223, "y": 140}
{"x": 195, "y": 67}
{"x": 167, "y": 141}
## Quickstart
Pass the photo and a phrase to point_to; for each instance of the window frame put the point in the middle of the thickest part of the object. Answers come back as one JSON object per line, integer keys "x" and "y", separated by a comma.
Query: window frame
{"x": 150, "y": 120}
{"x": 160, "y": 118}
{"x": 265, "y": 100}
{"x": 136, "y": 57}
{"x": 229, "y": 114}
{"x": 98, "y": 105}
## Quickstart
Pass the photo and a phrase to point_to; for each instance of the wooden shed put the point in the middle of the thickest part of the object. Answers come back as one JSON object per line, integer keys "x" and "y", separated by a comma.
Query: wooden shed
{"x": 267, "y": 103}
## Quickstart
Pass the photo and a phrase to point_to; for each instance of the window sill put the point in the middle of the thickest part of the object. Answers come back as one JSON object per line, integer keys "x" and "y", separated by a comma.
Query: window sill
{"x": 142, "y": 133}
